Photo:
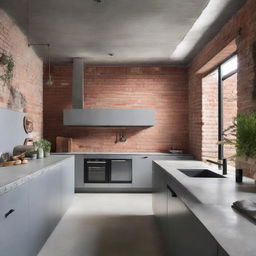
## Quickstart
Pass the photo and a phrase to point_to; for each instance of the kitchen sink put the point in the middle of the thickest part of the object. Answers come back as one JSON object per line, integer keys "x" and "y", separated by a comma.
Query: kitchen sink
{"x": 200, "y": 173}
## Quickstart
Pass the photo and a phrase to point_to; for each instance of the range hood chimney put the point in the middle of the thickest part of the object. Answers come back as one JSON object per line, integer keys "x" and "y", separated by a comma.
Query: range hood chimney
{"x": 78, "y": 83}
{"x": 79, "y": 116}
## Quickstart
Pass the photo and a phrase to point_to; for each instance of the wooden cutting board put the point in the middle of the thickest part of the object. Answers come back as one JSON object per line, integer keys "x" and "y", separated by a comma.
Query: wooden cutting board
{"x": 63, "y": 144}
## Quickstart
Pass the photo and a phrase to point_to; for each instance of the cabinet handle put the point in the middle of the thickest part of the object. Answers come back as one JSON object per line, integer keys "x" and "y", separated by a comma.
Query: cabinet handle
{"x": 145, "y": 157}
{"x": 172, "y": 192}
{"x": 8, "y": 213}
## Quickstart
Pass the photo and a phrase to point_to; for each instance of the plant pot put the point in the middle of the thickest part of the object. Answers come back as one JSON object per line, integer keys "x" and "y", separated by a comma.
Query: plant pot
{"x": 248, "y": 165}
{"x": 46, "y": 153}
{"x": 40, "y": 153}
{"x": 34, "y": 156}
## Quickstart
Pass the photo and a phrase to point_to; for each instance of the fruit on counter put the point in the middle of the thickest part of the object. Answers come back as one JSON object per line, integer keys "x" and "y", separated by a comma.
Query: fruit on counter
{"x": 25, "y": 161}
{"x": 18, "y": 162}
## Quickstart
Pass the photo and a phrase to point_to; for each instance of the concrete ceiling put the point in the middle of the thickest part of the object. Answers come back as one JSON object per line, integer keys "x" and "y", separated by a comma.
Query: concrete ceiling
{"x": 135, "y": 31}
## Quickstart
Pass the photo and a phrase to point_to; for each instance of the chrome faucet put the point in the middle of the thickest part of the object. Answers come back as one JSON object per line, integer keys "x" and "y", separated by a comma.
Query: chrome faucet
{"x": 223, "y": 164}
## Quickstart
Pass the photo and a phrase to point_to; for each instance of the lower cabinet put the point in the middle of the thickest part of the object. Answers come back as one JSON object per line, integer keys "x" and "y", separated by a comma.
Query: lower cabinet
{"x": 142, "y": 172}
{"x": 159, "y": 200}
{"x": 67, "y": 184}
{"x": 186, "y": 235}
{"x": 14, "y": 223}
{"x": 30, "y": 213}
{"x": 39, "y": 212}
{"x": 181, "y": 230}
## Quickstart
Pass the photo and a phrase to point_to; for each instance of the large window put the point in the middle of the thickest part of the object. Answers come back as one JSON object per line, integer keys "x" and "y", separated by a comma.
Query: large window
{"x": 227, "y": 99}
{"x": 219, "y": 108}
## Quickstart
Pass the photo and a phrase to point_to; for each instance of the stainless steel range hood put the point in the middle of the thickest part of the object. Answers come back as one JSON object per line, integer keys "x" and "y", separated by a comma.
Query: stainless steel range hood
{"x": 78, "y": 116}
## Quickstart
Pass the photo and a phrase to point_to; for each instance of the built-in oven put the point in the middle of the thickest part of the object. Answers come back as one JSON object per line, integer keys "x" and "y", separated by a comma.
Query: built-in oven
{"x": 96, "y": 170}
{"x": 107, "y": 171}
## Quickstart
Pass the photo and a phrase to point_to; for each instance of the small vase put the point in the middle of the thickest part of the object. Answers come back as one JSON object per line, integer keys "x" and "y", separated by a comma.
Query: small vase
{"x": 40, "y": 153}
{"x": 46, "y": 153}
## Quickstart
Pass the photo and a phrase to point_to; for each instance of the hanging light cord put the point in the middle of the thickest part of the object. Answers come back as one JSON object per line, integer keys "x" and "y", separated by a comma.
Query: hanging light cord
{"x": 37, "y": 44}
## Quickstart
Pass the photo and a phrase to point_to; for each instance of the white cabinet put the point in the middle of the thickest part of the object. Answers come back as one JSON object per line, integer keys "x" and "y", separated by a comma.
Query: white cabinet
{"x": 14, "y": 232}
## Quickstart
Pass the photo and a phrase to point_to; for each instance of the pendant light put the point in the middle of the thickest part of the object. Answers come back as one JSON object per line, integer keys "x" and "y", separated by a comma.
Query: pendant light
{"x": 49, "y": 81}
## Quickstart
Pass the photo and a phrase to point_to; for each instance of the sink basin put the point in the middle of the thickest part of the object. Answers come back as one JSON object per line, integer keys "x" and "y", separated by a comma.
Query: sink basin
{"x": 200, "y": 173}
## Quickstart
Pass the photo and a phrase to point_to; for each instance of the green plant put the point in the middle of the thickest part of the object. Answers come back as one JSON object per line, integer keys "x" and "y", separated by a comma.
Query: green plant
{"x": 44, "y": 144}
{"x": 242, "y": 134}
{"x": 6, "y": 61}
{"x": 38, "y": 144}
{"x": 47, "y": 145}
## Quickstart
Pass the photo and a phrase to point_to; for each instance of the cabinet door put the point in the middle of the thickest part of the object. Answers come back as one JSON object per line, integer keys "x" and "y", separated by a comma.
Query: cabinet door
{"x": 54, "y": 194}
{"x": 142, "y": 172}
{"x": 159, "y": 199}
{"x": 14, "y": 233}
{"x": 38, "y": 212}
{"x": 67, "y": 184}
{"x": 186, "y": 235}
{"x": 121, "y": 170}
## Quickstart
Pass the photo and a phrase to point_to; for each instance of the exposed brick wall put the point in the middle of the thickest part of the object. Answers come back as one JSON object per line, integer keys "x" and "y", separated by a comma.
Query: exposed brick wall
{"x": 244, "y": 22}
{"x": 161, "y": 88}
{"x": 24, "y": 93}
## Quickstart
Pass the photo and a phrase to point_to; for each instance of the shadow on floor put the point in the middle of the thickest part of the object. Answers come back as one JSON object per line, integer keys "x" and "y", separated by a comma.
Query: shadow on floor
{"x": 113, "y": 235}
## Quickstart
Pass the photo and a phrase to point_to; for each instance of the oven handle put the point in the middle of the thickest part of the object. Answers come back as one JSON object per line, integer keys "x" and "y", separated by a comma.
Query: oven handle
{"x": 96, "y": 162}
{"x": 119, "y": 160}
{"x": 95, "y": 167}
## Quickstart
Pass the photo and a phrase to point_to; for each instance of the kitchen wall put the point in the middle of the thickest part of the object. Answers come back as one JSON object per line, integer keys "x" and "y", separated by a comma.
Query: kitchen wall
{"x": 24, "y": 93}
{"x": 240, "y": 28}
{"x": 161, "y": 88}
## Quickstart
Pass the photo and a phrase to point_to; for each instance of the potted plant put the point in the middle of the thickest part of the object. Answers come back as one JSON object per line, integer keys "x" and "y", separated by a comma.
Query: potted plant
{"x": 38, "y": 145}
{"x": 242, "y": 134}
{"x": 47, "y": 147}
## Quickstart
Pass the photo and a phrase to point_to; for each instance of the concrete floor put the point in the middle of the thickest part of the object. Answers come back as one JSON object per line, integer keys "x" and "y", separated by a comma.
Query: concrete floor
{"x": 106, "y": 225}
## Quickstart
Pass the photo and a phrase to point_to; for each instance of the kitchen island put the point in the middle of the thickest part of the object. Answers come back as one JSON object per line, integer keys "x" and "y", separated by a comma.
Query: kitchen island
{"x": 196, "y": 212}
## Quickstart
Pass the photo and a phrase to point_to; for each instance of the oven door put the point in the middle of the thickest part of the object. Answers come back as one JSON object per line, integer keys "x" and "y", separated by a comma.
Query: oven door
{"x": 121, "y": 171}
{"x": 96, "y": 171}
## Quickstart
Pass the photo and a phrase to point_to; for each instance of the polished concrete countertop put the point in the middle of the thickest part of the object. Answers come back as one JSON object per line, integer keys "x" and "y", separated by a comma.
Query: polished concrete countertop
{"x": 120, "y": 153}
{"x": 13, "y": 176}
{"x": 210, "y": 199}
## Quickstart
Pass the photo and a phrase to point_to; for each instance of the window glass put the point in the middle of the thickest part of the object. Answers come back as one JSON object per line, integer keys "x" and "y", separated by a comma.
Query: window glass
{"x": 229, "y": 66}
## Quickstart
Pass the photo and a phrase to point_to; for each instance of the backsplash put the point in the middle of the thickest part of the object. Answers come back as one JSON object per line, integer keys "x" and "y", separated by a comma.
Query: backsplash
{"x": 161, "y": 88}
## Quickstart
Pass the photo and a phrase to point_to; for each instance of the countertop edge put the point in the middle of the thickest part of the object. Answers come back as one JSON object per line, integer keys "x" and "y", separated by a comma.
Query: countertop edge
{"x": 31, "y": 175}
